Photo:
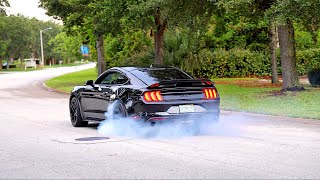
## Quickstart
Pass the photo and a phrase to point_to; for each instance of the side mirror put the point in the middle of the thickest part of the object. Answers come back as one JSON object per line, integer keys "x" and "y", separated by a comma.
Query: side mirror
{"x": 89, "y": 83}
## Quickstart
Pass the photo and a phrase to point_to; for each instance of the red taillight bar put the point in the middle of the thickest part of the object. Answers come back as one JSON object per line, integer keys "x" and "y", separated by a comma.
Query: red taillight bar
{"x": 154, "y": 86}
{"x": 210, "y": 93}
{"x": 153, "y": 96}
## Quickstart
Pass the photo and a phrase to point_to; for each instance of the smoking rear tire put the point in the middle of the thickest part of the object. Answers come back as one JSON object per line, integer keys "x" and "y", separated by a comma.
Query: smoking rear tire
{"x": 75, "y": 114}
{"x": 119, "y": 110}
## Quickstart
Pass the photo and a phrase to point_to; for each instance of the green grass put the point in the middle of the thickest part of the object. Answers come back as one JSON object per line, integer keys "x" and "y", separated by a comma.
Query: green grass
{"x": 63, "y": 65}
{"x": 68, "y": 81}
{"x": 233, "y": 97}
{"x": 261, "y": 100}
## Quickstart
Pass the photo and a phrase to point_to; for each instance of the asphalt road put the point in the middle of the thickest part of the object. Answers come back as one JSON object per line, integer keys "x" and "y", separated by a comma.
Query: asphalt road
{"x": 37, "y": 141}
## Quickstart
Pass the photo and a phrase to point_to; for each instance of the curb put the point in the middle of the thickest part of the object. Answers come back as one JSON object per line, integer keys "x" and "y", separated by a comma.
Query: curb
{"x": 46, "y": 87}
{"x": 293, "y": 120}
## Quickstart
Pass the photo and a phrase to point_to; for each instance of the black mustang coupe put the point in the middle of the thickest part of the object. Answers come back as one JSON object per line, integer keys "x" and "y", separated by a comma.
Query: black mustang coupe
{"x": 154, "y": 94}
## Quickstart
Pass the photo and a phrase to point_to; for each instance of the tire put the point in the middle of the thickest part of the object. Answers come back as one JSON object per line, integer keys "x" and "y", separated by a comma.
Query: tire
{"x": 75, "y": 114}
{"x": 118, "y": 110}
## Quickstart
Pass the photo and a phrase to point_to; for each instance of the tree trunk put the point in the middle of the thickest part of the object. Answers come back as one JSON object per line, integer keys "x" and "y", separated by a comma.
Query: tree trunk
{"x": 288, "y": 58}
{"x": 161, "y": 25}
{"x": 100, "y": 51}
{"x": 0, "y": 64}
{"x": 273, "y": 54}
{"x": 33, "y": 55}
{"x": 8, "y": 62}
{"x": 21, "y": 61}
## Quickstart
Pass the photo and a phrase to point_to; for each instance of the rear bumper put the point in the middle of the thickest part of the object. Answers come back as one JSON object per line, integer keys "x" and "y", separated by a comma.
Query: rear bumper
{"x": 206, "y": 105}
{"x": 204, "y": 110}
{"x": 209, "y": 116}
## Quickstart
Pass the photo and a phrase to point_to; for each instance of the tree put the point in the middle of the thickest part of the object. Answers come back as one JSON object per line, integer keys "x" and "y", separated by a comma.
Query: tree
{"x": 273, "y": 54}
{"x": 87, "y": 14}
{"x": 3, "y": 3}
{"x": 3, "y": 43}
{"x": 288, "y": 57}
{"x": 161, "y": 14}
{"x": 307, "y": 12}
{"x": 111, "y": 16}
{"x": 66, "y": 47}
{"x": 19, "y": 37}
{"x": 98, "y": 18}
{"x": 281, "y": 12}
{"x": 50, "y": 55}
{"x": 284, "y": 12}
{"x": 18, "y": 32}
{"x": 256, "y": 10}
{"x": 35, "y": 27}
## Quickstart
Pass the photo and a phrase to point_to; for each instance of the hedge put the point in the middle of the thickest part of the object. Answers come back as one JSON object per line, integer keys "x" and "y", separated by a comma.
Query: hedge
{"x": 234, "y": 63}
{"x": 244, "y": 63}
{"x": 308, "y": 60}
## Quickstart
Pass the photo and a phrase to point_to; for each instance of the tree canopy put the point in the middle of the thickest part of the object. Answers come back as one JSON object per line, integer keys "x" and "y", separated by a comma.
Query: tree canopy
{"x": 3, "y": 3}
{"x": 202, "y": 37}
{"x": 20, "y": 37}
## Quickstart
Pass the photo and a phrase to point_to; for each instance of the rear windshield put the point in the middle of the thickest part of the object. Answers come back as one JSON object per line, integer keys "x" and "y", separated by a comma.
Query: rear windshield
{"x": 152, "y": 76}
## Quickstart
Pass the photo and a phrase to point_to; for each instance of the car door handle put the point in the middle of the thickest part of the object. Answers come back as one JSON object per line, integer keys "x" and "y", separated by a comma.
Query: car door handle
{"x": 104, "y": 95}
{"x": 87, "y": 94}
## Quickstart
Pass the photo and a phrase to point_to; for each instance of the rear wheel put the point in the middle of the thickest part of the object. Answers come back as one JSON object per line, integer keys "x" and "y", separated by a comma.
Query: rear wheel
{"x": 117, "y": 111}
{"x": 75, "y": 114}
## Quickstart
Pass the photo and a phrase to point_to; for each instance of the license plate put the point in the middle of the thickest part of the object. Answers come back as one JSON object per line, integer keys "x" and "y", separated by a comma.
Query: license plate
{"x": 186, "y": 108}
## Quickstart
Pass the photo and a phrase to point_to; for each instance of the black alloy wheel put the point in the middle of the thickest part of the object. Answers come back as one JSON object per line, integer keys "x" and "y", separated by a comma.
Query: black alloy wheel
{"x": 119, "y": 111}
{"x": 75, "y": 114}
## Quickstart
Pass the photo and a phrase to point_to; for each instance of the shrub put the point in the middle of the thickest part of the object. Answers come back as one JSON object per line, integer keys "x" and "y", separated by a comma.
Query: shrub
{"x": 242, "y": 62}
{"x": 233, "y": 63}
{"x": 308, "y": 60}
{"x": 314, "y": 77}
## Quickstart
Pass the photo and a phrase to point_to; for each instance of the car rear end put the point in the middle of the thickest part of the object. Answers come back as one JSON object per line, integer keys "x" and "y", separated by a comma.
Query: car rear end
{"x": 180, "y": 99}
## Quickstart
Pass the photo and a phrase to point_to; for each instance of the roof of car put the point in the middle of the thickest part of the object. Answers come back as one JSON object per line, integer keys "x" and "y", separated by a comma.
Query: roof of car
{"x": 132, "y": 68}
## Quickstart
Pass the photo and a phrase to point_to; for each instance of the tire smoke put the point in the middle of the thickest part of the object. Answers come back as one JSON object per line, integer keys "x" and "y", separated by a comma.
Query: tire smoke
{"x": 115, "y": 125}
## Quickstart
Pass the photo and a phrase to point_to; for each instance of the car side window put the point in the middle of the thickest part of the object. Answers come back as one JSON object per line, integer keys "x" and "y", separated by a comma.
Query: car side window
{"x": 113, "y": 78}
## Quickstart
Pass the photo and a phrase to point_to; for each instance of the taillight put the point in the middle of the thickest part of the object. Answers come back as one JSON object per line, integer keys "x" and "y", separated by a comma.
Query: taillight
{"x": 210, "y": 93}
{"x": 154, "y": 86}
{"x": 153, "y": 96}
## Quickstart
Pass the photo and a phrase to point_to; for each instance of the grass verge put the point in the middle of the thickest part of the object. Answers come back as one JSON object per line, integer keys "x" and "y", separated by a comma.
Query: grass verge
{"x": 238, "y": 94}
{"x": 270, "y": 101}
{"x": 68, "y": 81}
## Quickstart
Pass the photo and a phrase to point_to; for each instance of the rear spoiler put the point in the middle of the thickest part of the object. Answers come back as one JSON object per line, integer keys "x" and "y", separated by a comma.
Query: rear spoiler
{"x": 183, "y": 83}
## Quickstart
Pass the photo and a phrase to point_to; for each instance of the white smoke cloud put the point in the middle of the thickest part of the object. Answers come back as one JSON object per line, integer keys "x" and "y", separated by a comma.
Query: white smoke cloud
{"x": 133, "y": 128}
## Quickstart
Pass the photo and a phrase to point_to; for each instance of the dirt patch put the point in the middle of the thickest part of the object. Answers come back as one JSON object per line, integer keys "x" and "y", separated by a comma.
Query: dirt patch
{"x": 277, "y": 93}
{"x": 256, "y": 83}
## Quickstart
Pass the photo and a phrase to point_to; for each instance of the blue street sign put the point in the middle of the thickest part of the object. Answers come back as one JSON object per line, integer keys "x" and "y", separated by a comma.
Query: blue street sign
{"x": 84, "y": 50}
